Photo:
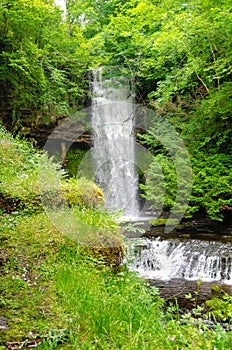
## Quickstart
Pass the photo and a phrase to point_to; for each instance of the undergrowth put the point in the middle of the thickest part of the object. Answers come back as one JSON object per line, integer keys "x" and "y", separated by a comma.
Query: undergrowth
{"x": 60, "y": 293}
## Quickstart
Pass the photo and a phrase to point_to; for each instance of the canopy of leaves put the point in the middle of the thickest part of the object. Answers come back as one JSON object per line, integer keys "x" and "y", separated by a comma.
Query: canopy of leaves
{"x": 179, "y": 55}
{"x": 177, "y": 52}
{"x": 43, "y": 68}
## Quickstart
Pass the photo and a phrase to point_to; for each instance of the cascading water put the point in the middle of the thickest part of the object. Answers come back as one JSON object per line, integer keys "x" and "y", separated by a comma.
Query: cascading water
{"x": 188, "y": 259}
{"x": 114, "y": 158}
{"x": 112, "y": 122}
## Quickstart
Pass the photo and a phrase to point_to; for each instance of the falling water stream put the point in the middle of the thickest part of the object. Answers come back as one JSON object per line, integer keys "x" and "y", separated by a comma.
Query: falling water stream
{"x": 114, "y": 157}
{"x": 112, "y": 122}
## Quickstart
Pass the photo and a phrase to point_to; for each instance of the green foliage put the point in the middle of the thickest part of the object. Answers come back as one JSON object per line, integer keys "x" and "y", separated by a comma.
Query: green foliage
{"x": 41, "y": 67}
{"x": 120, "y": 312}
{"x": 169, "y": 177}
{"x": 211, "y": 123}
{"x": 179, "y": 55}
{"x": 220, "y": 308}
{"x": 161, "y": 187}
{"x": 54, "y": 292}
{"x": 61, "y": 294}
{"x": 25, "y": 174}
{"x": 82, "y": 191}
{"x": 19, "y": 170}
{"x": 212, "y": 187}
{"x": 73, "y": 160}
{"x": 29, "y": 243}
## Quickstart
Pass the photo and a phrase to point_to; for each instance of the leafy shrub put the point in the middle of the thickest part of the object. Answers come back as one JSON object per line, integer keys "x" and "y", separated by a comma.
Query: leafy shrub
{"x": 73, "y": 160}
{"x": 220, "y": 307}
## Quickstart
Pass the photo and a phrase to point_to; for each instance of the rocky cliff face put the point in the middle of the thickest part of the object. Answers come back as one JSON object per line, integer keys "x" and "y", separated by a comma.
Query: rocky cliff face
{"x": 37, "y": 129}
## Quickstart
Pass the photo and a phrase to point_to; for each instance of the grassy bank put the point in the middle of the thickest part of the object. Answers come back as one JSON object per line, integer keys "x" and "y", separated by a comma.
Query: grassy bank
{"x": 58, "y": 292}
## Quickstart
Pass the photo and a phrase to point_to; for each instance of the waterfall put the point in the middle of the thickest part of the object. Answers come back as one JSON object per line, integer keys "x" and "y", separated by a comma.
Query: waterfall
{"x": 112, "y": 123}
{"x": 188, "y": 259}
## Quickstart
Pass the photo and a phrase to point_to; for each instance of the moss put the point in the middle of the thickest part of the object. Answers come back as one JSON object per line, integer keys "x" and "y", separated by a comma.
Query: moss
{"x": 163, "y": 222}
{"x": 106, "y": 246}
{"x": 110, "y": 256}
{"x": 82, "y": 191}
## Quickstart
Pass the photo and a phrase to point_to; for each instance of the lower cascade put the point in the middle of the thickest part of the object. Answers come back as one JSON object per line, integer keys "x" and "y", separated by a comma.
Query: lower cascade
{"x": 189, "y": 259}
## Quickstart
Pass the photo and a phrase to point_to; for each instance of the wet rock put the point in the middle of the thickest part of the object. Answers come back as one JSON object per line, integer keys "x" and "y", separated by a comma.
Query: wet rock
{"x": 178, "y": 288}
{"x": 111, "y": 256}
{"x": 204, "y": 229}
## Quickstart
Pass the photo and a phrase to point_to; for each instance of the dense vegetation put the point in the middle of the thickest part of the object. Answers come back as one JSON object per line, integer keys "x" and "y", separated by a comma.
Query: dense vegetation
{"x": 43, "y": 66}
{"x": 177, "y": 53}
{"x": 56, "y": 293}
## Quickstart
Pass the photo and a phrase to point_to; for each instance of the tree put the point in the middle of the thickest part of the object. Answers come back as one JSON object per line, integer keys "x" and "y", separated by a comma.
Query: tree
{"x": 42, "y": 70}
{"x": 179, "y": 54}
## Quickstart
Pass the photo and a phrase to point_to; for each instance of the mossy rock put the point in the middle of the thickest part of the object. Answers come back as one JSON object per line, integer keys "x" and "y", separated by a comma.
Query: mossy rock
{"x": 82, "y": 191}
{"x": 163, "y": 222}
{"x": 110, "y": 256}
{"x": 106, "y": 246}
{"x": 158, "y": 222}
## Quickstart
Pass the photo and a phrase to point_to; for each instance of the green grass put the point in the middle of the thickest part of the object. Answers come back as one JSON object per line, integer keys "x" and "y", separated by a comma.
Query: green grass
{"x": 65, "y": 293}
{"x": 54, "y": 292}
{"x": 118, "y": 312}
